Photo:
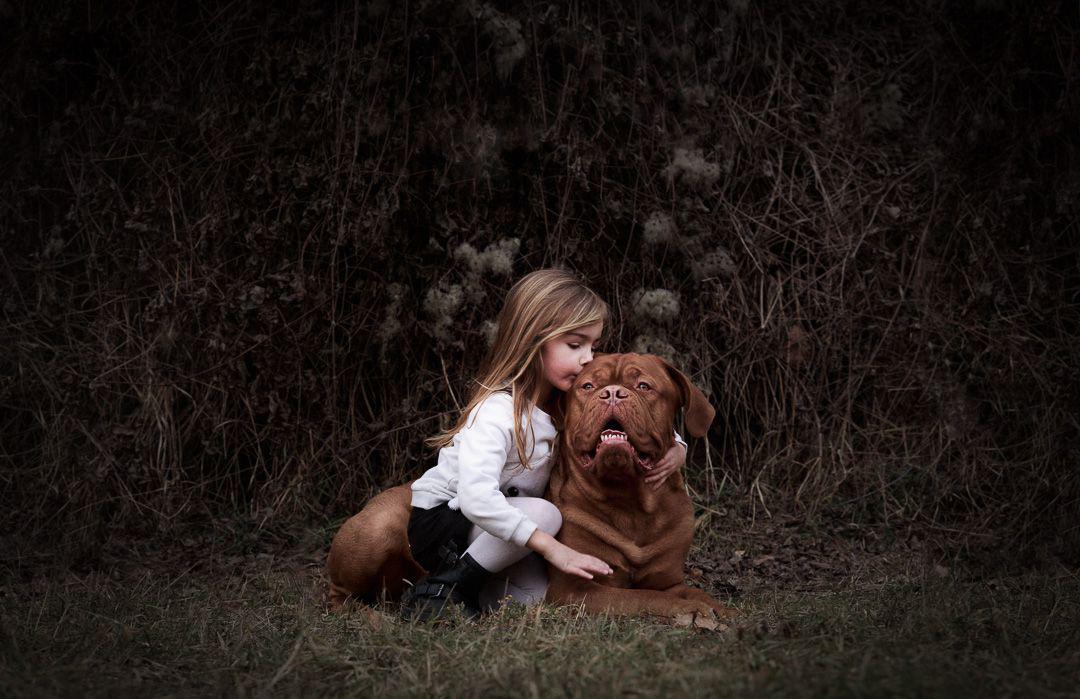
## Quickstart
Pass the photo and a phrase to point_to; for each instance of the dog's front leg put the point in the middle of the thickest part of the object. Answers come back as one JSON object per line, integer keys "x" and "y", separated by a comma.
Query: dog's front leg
{"x": 597, "y": 598}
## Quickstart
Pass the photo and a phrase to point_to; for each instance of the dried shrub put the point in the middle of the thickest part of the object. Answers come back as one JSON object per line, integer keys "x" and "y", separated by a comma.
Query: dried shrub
{"x": 250, "y": 257}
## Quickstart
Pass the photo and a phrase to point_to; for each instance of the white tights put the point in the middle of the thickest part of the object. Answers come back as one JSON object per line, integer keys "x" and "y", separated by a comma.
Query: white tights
{"x": 517, "y": 571}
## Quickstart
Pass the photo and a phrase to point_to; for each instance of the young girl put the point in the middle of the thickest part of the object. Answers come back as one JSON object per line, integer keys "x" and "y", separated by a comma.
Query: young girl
{"x": 483, "y": 500}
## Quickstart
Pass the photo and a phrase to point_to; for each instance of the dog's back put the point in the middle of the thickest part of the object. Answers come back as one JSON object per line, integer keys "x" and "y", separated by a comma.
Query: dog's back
{"x": 370, "y": 555}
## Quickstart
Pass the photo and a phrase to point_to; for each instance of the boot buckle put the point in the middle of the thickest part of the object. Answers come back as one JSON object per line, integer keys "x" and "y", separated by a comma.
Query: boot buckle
{"x": 429, "y": 589}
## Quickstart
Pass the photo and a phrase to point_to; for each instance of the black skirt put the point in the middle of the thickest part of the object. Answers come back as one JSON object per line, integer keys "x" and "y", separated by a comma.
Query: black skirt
{"x": 436, "y": 532}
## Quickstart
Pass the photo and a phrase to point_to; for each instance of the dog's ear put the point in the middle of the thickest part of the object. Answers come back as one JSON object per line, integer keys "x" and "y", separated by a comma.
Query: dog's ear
{"x": 699, "y": 414}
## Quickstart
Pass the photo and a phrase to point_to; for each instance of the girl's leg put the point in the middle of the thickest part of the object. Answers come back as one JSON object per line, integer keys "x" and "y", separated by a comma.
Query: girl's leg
{"x": 524, "y": 581}
{"x": 493, "y": 553}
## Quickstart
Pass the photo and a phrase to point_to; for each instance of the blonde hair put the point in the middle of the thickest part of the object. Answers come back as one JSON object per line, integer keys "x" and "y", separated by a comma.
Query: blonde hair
{"x": 541, "y": 306}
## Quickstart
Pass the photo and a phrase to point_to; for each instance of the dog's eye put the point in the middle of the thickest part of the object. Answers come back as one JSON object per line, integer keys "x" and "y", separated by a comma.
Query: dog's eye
{"x": 586, "y": 386}
{"x": 644, "y": 386}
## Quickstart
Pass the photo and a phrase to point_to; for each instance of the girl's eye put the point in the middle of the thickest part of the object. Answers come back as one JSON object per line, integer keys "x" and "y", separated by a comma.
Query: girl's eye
{"x": 573, "y": 346}
{"x": 644, "y": 386}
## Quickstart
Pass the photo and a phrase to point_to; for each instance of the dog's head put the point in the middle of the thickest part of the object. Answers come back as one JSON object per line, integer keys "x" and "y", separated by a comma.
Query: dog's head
{"x": 619, "y": 415}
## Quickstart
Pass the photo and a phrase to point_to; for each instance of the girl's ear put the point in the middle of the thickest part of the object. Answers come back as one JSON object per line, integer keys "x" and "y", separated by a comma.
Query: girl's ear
{"x": 699, "y": 414}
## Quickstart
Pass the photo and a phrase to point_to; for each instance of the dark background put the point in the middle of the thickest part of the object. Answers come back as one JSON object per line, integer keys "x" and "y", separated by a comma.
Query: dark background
{"x": 247, "y": 253}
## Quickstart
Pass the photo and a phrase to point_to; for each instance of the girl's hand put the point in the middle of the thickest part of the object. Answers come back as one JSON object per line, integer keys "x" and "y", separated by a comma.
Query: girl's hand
{"x": 667, "y": 465}
{"x": 574, "y": 562}
{"x": 565, "y": 558}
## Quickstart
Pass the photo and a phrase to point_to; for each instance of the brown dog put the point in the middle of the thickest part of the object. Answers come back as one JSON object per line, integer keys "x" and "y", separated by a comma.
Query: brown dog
{"x": 620, "y": 413}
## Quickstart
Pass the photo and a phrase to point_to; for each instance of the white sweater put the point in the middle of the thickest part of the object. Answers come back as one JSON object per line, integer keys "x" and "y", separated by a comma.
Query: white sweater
{"x": 480, "y": 468}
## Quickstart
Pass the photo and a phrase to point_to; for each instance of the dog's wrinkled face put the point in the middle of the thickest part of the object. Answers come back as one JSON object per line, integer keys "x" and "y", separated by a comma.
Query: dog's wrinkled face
{"x": 622, "y": 411}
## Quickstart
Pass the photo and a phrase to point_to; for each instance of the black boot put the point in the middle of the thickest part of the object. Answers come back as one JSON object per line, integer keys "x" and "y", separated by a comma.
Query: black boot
{"x": 458, "y": 584}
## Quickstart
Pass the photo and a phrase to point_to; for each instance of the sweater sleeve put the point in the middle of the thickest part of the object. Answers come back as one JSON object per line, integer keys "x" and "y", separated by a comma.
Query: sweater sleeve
{"x": 484, "y": 447}
{"x": 680, "y": 440}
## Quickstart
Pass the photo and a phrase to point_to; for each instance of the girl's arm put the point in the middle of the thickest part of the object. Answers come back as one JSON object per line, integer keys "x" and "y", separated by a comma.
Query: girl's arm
{"x": 565, "y": 558}
{"x": 485, "y": 445}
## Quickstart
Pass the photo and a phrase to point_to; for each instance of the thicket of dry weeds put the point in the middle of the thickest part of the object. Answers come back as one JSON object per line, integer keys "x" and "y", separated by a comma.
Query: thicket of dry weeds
{"x": 248, "y": 257}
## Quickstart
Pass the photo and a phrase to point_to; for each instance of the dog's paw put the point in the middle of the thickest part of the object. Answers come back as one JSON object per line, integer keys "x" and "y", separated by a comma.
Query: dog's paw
{"x": 725, "y": 612}
{"x": 691, "y": 606}
{"x": 695, "y": 620}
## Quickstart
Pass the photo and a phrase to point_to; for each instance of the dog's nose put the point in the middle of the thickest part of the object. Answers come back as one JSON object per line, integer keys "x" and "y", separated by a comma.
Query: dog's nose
{"x": 613, "y": 394}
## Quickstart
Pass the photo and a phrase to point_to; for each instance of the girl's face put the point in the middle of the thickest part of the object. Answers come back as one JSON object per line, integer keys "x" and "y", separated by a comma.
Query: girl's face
{"x": 565, "y": 356}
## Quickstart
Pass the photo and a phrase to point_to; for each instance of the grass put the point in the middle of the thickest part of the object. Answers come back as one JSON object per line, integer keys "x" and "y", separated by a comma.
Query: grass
{"x": 262, "y": 629}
